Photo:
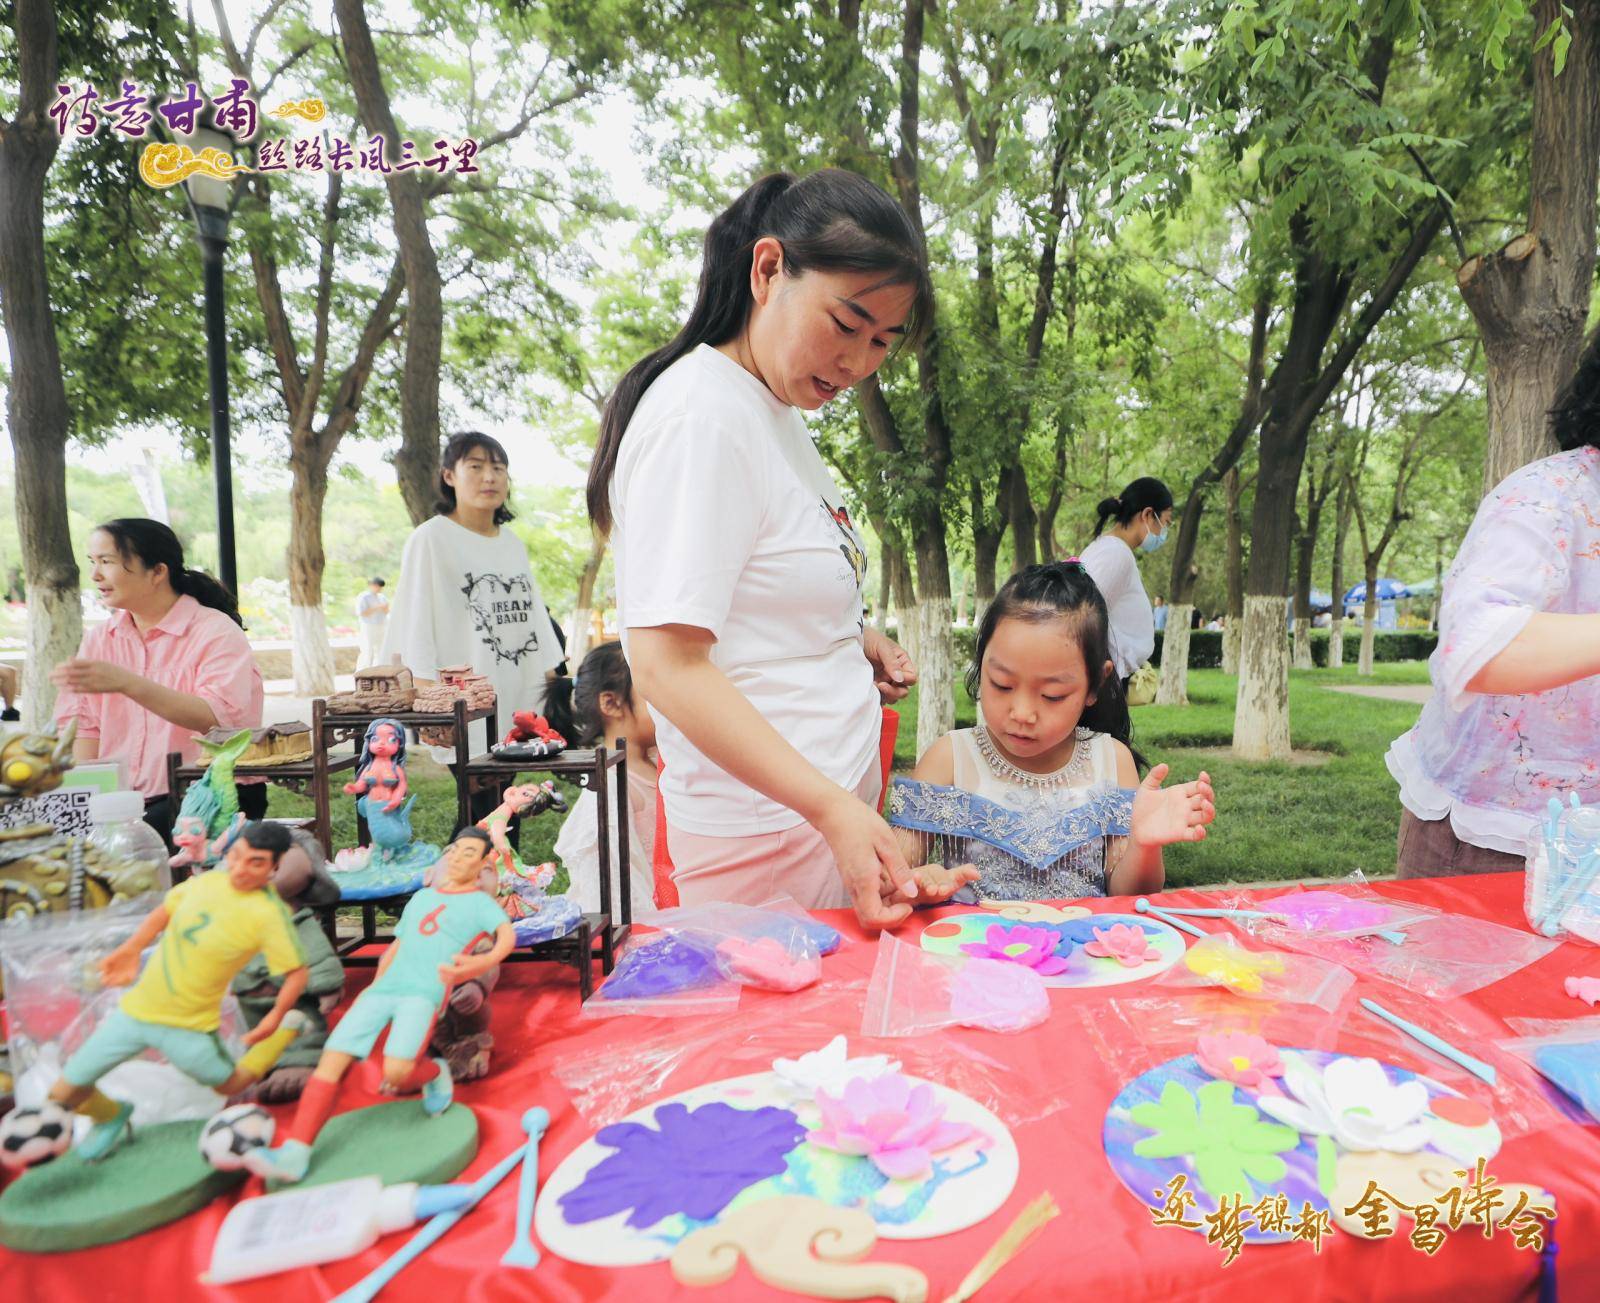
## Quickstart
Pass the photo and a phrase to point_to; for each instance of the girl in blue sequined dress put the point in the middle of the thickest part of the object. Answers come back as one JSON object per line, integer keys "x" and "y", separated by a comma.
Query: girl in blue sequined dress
{"x": 1042, "y": 800}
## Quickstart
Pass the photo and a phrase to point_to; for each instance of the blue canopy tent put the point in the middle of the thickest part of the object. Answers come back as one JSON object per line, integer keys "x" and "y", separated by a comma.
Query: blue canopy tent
{"x": 1390, "y": 591}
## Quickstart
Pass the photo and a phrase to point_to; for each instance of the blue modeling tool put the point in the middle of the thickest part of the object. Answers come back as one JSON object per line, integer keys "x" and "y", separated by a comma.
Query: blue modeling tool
{"x": 1145, "y": 907}
{"x": 366, "y": 1289}
{"x": 522, "y": 1253}
{"x": 1216, "y": 913}
{"x": 1477, "y": 1067}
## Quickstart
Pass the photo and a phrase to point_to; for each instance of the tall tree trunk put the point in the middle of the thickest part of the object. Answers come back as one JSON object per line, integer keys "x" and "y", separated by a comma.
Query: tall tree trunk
{"x": 1341, "y": 532}
{"x": 1305, "y": 555}
{"x": 880, "y": 613}
{"x": 1174, "y": 685}
{"x": 1233, "y": 566}
{"x": 961, "y": 599}
{"x": 1369, "y": 620}
{"x": 1531, "y": 298}
{"x": 311, "y": 654}
{"x": 1261, "y": 723}
{"x": 36, "y": 396}
{"x": 582, "y": 634}
{"x": 986, "y": 538}
{"x": 416, "y": 462}
{"x": 1024, "y": 522}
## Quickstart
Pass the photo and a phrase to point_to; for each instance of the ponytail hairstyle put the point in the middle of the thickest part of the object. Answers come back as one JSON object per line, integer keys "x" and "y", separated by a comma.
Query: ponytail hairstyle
{"x": 604, "y": 669}
{"x": 1146, "y": 494}
{"x": 1575, "y": 418}
{"x": 558, "y": 708}
{"x": 1063, "y": 590}
{"x": 829, "y": 220}
{"x": 461, "y": 445}
{"x": 154, "y": 544}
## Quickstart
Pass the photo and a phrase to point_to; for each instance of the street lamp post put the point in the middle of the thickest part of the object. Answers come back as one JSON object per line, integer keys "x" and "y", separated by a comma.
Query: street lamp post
{"x": 209, "y": 198}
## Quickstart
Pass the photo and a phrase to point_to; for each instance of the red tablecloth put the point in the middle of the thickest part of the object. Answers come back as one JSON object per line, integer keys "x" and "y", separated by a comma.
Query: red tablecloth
{"x": 1103, "y": 1246}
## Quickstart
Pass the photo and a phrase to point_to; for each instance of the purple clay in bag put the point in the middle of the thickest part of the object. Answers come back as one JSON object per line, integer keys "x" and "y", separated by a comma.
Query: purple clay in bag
{"x": 664, "y": 965}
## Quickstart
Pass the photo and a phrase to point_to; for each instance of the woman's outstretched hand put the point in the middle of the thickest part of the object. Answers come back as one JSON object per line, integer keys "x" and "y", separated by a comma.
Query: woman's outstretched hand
{"x": 1162, "y": 816}
{"x": 893, "y": 672}
{"x": 880, "y": 882}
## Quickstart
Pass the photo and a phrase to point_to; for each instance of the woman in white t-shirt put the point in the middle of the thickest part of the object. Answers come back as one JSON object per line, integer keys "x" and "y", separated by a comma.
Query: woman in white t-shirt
{"x": 1140, "y": 518}
{"x": 739, "y": 573}
{"x": 466, "y": 595}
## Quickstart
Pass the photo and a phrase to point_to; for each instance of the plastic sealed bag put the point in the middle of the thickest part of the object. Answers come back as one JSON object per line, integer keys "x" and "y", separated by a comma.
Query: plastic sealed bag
{"x": 1442, "y": 955}
{"x": 55, "y": 1000}
{"x": 608, "y": 1079}
{"x": 664, "y": 975}
{"x": 1561, "y": 890}
{"x": 913, "y": 991}
{"x": 776, "y": 946}
{"x": 1564, "y": 1051}
{"x": 1221, "y": 961}
{"x": 1343, "y": 911}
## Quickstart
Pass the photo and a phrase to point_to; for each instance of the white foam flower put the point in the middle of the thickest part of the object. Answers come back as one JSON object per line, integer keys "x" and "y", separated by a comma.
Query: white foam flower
{"x": 1354, "y": 1102}
{"x": 830, "y": 1069}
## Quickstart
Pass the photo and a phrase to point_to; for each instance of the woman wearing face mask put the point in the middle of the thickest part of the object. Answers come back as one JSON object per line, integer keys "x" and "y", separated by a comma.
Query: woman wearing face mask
{"x": 738, "y": 571}
{"x": 1140, "y": 519}
{"x": 170, "y": 663}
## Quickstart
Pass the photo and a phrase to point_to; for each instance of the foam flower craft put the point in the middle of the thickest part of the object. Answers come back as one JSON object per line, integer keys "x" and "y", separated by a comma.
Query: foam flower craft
{"x": 1032, "y": 947}
{"x": 1232, "y": 966}
{"x": 1586, "y": 989}
{"x": 693, "y": 1162}
{"x": 1229, "y": 1143}
{"x": 900, "y": 1127}
{"x": 1353, "y": 1101}
{"x": 1129, "y": 946}
{"x": 829, "y": 1068}
{"x": 1241, "y": 1058}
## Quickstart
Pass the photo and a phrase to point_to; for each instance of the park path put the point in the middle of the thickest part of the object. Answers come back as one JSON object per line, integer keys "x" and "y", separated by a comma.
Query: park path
{"x": 1416, "y": 693}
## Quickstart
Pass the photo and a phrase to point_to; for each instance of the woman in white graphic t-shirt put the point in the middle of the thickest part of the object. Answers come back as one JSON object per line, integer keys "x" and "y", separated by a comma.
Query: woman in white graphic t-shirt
{"x": 738, "y": 569}
{"x": 466, "y": 595}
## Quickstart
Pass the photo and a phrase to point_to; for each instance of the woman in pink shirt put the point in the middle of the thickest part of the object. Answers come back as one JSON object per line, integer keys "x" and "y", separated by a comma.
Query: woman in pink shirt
{"x": 171, "y": 662}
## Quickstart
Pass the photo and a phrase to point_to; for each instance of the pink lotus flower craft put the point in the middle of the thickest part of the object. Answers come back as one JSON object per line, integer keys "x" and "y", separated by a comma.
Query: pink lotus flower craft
{"x": 897, "y": 1125}
{"x": 1127, "y": 944}
{"x": 1239, "y": 1057}
{"x": 1032, "y": 947}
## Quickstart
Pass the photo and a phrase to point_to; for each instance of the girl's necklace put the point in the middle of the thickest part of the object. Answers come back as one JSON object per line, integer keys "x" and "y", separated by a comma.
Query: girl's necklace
{"x": 1072, "y": 774}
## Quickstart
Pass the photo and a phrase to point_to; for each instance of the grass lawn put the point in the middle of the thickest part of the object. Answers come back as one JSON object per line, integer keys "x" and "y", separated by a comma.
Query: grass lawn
{"x": 1273, "y": 820}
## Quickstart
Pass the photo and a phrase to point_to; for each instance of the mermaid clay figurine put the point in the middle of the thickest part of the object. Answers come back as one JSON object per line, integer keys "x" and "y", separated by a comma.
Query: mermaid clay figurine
{"x": 518, "y": 887}
{"x": 381, "y": 771}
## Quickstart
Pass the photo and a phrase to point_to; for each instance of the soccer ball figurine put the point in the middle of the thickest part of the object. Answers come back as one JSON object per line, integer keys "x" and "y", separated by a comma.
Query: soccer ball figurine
{"x": 30, "y": 1136}
{"x": 235, "y": 1132}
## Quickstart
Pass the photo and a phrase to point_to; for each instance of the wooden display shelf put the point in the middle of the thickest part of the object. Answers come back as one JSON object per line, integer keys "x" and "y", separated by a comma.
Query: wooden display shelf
{"x": 587, "y": 768}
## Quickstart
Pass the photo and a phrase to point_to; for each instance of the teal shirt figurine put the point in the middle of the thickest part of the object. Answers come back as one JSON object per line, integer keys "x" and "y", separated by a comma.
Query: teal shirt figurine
{"x": 431, "y": 952}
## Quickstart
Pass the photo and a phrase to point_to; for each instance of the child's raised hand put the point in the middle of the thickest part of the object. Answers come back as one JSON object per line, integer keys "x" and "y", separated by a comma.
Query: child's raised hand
{"x": 937, "y": 884}
{"x": 1162, "y": 816}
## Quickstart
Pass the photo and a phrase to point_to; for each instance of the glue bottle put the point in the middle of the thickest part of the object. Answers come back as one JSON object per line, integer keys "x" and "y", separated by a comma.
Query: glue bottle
{"x": 305, "y": 1226}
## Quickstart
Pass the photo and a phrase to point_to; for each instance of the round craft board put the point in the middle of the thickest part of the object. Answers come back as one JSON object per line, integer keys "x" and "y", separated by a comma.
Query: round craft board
{"x": 972, "y": 1180}
{"x": 396, "y": 1142}
{"x": 949, "y": 934}
{"x": 153, "y": 1178}
{"x": 1462, "y": 1129}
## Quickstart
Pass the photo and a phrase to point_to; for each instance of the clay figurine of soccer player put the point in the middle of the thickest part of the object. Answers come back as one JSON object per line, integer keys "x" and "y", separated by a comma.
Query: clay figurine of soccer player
{"x": 430, "y": 953}
{"x": 210, "y": 927}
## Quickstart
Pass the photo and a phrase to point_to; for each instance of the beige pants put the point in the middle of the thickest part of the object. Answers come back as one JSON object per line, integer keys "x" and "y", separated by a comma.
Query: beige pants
{"x": 1429, "y": 848}
{"x": 752, "y": 870}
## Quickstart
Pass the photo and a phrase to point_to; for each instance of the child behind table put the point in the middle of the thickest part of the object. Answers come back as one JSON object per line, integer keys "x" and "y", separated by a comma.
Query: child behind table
{"x": 603, "y": 708}
{"x": 1042, "y": 800}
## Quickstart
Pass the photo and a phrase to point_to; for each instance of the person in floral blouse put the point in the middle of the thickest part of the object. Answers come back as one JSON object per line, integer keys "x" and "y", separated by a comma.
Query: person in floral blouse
{"x": 1515, "y": 713}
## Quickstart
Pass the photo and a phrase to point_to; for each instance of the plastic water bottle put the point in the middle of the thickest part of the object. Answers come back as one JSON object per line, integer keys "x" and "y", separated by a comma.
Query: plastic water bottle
{"x": 120, "y": 832}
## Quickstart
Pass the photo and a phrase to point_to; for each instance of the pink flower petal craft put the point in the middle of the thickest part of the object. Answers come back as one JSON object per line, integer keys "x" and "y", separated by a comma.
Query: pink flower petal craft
{"x": 1129, "y": 946}
{"x": 888, "y": 1120}
{"x": 1032, "y": 947}
{"x": 1240, "y": 1057}
{"x": 1586, "y": 989}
